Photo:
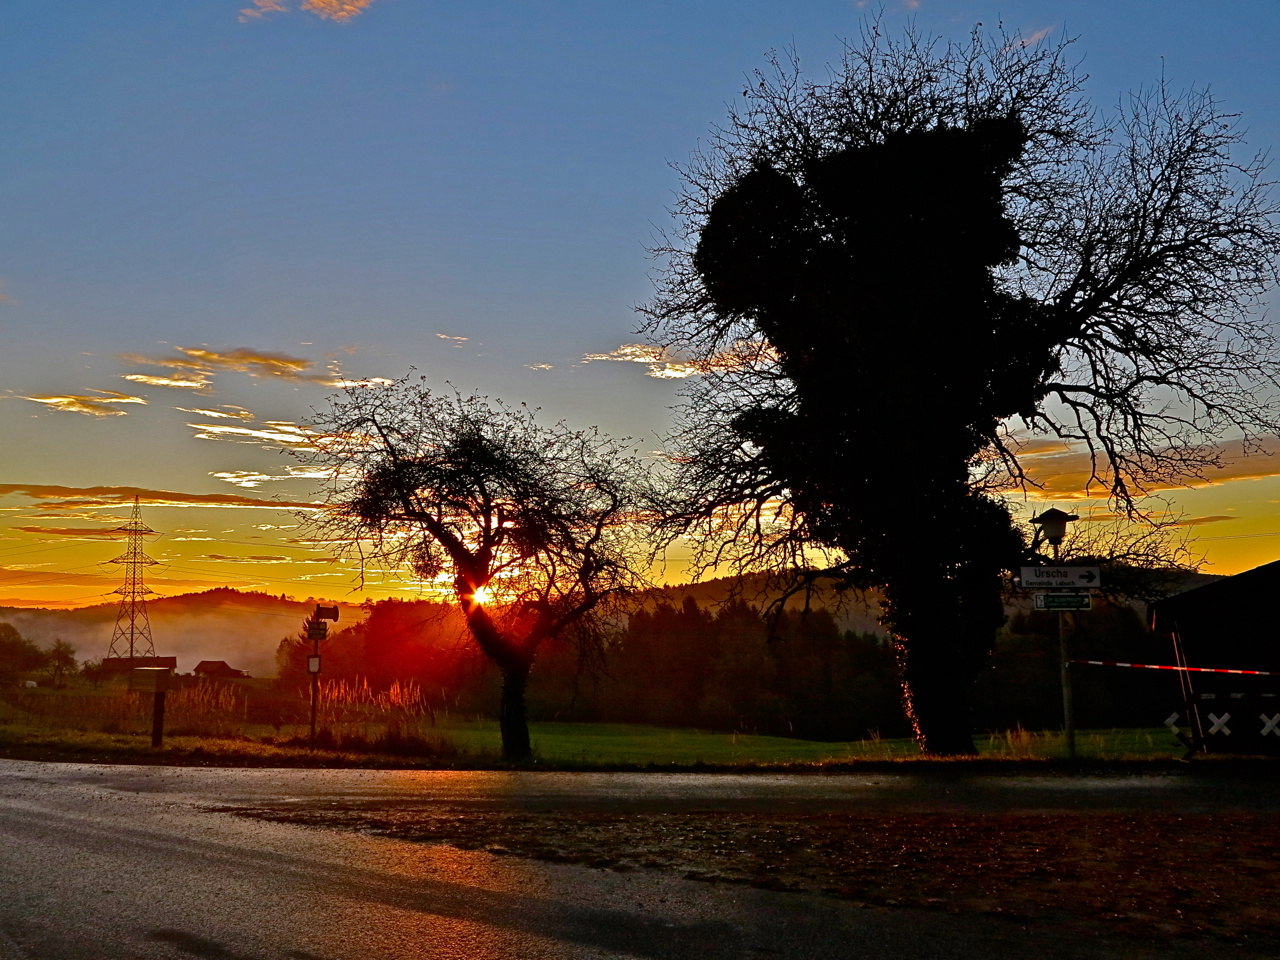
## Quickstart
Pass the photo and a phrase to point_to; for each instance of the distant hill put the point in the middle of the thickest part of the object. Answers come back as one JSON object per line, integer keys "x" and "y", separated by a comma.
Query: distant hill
{"x": 244, "y": 628}
{"x": 241, "y": 628}
{"x": 859, "y": 612}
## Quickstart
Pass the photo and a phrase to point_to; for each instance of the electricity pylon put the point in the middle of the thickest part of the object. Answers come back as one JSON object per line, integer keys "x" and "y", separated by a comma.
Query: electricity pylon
{"x": 133, "y": 627}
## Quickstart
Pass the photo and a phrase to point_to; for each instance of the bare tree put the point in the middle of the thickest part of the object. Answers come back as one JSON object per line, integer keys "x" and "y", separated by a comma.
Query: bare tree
{"x": 533, "y": 529}
{"x": 892, "y": 279}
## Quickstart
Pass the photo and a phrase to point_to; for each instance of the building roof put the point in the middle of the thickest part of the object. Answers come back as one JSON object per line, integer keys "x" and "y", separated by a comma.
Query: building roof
{"x": 1230, "y": 623}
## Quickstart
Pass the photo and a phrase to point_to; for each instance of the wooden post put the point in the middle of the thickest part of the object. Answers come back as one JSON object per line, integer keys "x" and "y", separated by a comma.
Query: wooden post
{"x": 157, "y": 719}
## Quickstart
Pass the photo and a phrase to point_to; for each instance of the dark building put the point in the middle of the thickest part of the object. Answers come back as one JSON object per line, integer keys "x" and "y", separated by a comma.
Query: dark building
{"x": 218, "y": 670}
{"x": 1229, "y": 624}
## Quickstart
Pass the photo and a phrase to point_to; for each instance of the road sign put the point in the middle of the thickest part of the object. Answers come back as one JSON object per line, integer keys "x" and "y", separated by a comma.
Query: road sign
{"x": 317, "y": 630}
{"x": 1038, "y": 578}
{"x": 1063, "y": 601}
{"x": 313, "y": 664}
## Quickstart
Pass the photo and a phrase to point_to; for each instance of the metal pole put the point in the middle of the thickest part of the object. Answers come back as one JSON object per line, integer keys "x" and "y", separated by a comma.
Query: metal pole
{"x": 315, "y": 691}
{"x": 1068, "y": 712}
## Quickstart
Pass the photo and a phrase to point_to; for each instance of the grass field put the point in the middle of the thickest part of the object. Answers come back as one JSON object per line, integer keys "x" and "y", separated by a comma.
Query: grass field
{"x": 614, "y": 744}
{"x": 212, "y": 724}
{"x": 585, "y": 745}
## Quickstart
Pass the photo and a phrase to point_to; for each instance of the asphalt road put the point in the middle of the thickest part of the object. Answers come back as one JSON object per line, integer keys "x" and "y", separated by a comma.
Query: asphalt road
{"x": 116, "y": 861}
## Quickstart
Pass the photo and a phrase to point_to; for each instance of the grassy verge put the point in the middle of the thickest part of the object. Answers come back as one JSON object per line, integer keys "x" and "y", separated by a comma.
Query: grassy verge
{"x": 476, "y": 744}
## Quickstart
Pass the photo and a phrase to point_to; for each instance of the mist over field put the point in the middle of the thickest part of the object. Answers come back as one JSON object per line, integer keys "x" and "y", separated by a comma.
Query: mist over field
{"x": 243, "y": 629}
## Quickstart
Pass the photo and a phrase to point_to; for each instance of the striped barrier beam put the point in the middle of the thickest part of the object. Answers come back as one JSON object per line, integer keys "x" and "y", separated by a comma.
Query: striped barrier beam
{"x": 1161, "y": 666}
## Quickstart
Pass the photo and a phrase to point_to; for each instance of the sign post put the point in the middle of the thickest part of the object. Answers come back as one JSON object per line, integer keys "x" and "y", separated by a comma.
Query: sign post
{"x": 317, "y": 630}
{"x": 1077, "y": 580}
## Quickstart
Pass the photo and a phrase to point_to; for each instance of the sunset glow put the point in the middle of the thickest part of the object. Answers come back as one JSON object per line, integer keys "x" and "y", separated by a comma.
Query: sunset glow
{"x": 222, "y": 213}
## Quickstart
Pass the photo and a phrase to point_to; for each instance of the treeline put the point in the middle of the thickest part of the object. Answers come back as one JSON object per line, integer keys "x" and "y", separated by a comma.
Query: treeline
{"x": 20, "y": 659}
{"x": 726, "y": 668}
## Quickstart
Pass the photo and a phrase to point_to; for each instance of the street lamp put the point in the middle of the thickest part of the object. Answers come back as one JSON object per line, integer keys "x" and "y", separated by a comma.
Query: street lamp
{"x": 1053, "y": 525}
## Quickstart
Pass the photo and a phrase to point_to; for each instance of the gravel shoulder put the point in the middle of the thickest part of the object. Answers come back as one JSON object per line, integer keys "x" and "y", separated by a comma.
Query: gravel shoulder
{"x": 1139, "y": 875}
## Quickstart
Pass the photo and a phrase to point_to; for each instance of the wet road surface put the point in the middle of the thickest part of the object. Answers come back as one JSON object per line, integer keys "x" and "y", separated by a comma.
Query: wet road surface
{"x": 117, "y": 861}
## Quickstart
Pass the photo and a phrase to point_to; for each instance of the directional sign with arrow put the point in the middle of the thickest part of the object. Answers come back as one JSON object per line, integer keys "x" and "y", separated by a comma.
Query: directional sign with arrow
{"x": 1075, "y": 577}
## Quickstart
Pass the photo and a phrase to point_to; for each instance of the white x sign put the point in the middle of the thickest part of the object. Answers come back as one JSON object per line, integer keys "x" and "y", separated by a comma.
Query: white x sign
{"x": 1219, "y": 724}
{"x": 1270, "y": 726}
{"x": 1172, "y": 722}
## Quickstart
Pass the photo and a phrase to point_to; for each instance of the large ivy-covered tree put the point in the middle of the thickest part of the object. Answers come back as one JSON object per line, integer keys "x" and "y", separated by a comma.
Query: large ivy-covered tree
{"x": 892, "y": 279}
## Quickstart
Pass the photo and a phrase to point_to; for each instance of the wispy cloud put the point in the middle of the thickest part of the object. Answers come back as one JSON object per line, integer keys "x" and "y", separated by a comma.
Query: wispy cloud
{"x": 273, "y": 433}
{"x": 343, "y": 384}
{"x": 1032, "y": 39}
{"x": 660, "y": 361}
{"x": 226, "y": 412}
{"x": 665, "y": 364}
{"x": 57, "y": 499}
{"x": 538, "y": 366}
{"x": 197, "y": 381}
{"x": 91, "y": 406}
{"x": 3, "y": 298}
{"x": 251, "y": 479}
{"x": 453, "y": 341}
{"x": 265, "y": 559}
{"x": 339, "y": 10}
{"x": 1200, "y": 521}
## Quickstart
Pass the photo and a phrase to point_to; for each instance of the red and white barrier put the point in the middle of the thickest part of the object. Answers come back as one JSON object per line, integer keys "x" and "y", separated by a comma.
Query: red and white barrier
{"x": 1155, "y": 666}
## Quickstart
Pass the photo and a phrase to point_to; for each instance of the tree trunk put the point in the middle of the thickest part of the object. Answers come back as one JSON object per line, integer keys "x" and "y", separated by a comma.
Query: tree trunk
{"x": 512, "y": 718}
{"x": 936, "y": 695}
{"x": 946, "y": 630}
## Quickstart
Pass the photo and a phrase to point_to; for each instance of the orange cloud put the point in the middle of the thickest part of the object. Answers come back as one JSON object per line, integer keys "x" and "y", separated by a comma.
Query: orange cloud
{"x": 339, "y": 10}
{"x": 99, "y": 406}
{"x": 1200, "y": 521}
{"x": 60, "y": 498}
{"x": 1063, "y": 474}
{"x": 202, "y": 363}
{"x": 75, "y": 533}
{"x": 336, "y": 9}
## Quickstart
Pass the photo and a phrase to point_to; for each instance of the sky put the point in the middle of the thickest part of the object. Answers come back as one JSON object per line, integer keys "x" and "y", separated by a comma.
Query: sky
{"x": 215, "y": 214}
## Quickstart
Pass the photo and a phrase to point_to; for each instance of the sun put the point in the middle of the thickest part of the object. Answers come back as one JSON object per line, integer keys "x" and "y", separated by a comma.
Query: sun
{"x": 482, "y": 595}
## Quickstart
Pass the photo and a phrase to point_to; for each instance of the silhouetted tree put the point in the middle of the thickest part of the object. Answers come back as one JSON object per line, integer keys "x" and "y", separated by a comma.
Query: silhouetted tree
{"x": 892, "y": 279}
{"x": 532, "y": 528}
{"x": 17, "y": 654}
{"x": 60, "y": 659}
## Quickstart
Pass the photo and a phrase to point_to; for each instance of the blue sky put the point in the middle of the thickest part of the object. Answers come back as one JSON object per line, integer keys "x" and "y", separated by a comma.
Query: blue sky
{"x": 363, "y": 193}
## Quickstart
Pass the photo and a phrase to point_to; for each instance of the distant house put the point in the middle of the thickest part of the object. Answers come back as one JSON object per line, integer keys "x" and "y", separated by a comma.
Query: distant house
{"x": 218, "y": 670}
